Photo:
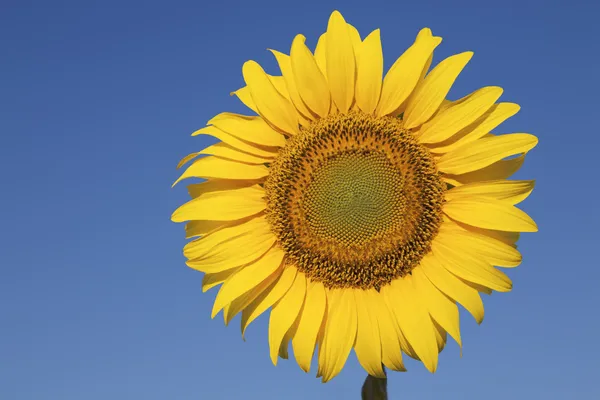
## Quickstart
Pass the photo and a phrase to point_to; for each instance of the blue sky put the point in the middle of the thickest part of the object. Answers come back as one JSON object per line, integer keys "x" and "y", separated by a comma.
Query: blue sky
{"x": 97, "y": 101}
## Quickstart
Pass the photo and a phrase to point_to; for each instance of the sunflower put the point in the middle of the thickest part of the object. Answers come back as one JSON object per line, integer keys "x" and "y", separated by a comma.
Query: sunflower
{"x": 360, "y": 209}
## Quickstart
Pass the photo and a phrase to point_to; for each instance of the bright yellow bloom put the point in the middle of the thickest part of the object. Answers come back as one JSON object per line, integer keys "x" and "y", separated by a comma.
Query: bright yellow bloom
{"x": 360, "y": 209}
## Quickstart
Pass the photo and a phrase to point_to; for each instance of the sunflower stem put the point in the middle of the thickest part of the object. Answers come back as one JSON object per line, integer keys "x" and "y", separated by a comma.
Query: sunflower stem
{"x": 375, "y": 388}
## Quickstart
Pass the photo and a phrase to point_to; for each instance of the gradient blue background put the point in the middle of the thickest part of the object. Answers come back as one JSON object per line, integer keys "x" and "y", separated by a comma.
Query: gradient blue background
{"x": 97, "y": 101}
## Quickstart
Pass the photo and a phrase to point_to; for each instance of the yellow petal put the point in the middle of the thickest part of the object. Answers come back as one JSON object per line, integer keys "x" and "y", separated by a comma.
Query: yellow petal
{"x": 471, "y": 268}
{"x": 479, "y": 288}
{"x": 453, "y": 287}
{"x": 491, "y": 250}
{"x": 268, "y": 298}
{"x": 310, "y": 82}
{"x": 340, "y": 332}
{"x": 224, "y": 150}
{"x": 509, "y": 238}
{"x": 511, "y": 192}
{"x": 284, "y": 313}
{"x": 389, "y": 333}
{"x": 354, "y": 37}
{"x": 341, "y": 64}
{"x": 369, "y": 73}
{"x": 404, "y": 344}
{"x": 445, "y": 103}
{"x": 497, "y": 114}
{"x": 230, "y": 247}
{"x": 209, "y": 281}
{"x": 216, "y": 185}
{"x": 212, "y": 263}
{"x": 240, "y": 303}
{"x": 245, "y": 97}
{"x": 440, "y": 336}
{"x": 489, "y": 214}
{"x": 187, "y": 159}
{"x": 271, "y": 104}
{"x": 248, "y": 278}
{"x": 261, "y": 151}
{"x": 459, "y": 115}
{"x": 206, "y": 227}
{"x": 413, "y": 319}
{"x": 404, "y": 74}
{"x": 200, "y": 228}
{"x": 484, "y": 152}
{"x": 250, "y": 129}
{"x": 305, "y": 339}
{"x": 227, "y": 205}
{"x": 285, "y": 342}
{"x": 280, "y": 85}
{"x": 502, "y": 169}
{"x": 220, "y": 168}
{"x": 321, "y": 54}
{"x": 441, "y": 308}
{"x": 285, "y": 65}
{"x": 320, "y": 335}
{"x": 368, "y": 342}
{"x": 430, "y": 93}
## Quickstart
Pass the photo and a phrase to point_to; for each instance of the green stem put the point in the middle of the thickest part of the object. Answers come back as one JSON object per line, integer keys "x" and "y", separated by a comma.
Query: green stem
{"x": 375, "y": 388}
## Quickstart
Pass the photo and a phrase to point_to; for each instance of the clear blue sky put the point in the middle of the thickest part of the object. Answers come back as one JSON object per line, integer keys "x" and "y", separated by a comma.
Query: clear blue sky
{"x": 97, "y": 101}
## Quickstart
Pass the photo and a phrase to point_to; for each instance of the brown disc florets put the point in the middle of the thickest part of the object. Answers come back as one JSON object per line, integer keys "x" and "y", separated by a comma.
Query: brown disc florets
{"x": 354, "y": 200}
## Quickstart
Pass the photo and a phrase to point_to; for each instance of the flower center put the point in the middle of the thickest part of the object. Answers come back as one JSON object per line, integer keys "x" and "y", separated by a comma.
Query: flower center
{"x": 354, "y": 200}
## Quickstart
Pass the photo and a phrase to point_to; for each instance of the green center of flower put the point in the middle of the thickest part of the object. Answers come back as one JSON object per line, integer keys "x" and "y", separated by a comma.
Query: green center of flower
{"x": 354, "y": 197}
{"x": 354, "y": 200}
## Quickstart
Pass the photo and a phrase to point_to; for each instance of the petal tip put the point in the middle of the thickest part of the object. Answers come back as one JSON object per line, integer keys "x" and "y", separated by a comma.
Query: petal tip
{"x": 431, "y": 365}
{"x": 175, "y": 216}
{"x": 215, "y": 310}
{"x": 336, "y": 14}
{"x": 274, "y": 359}
{"x": 535, "y": 140}
{"x": 251, "y": 66}
{"x": 425, "y": 32}
{"x": 305, "y": 368}
{"x": 534, "y": 228}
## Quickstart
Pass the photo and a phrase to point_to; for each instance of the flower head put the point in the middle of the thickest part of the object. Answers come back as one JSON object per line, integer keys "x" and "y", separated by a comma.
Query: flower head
{"x": 360, "y": 209}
